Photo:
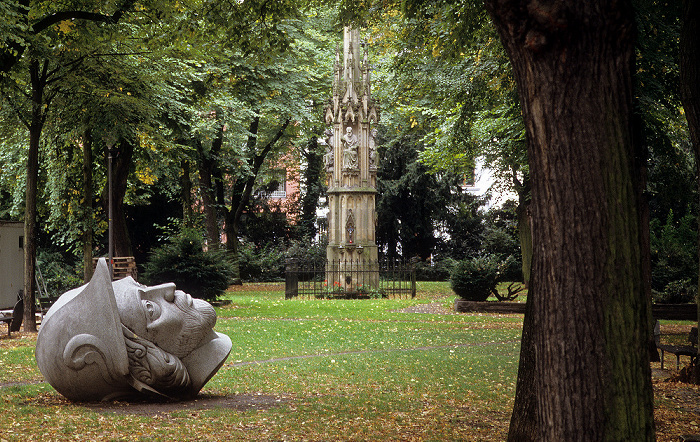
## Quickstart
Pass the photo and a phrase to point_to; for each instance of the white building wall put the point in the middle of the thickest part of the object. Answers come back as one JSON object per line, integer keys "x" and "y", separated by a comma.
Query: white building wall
{"x": 11, "y": 262}
{"x": 484, "y": 182}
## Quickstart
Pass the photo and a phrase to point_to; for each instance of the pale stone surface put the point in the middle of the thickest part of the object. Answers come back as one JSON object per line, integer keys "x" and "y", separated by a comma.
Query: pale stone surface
{"x": 353, "y": 114}
{"x": 107, "y": 340}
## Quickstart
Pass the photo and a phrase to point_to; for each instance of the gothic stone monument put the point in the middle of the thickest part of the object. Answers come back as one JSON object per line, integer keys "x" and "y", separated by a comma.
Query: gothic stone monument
{"x": 351, "y": 164}
{"x": 106, "y": 341}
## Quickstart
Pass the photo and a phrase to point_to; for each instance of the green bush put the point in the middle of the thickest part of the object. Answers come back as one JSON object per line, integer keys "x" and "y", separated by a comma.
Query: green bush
{"x": 261, "y": 263}
{"x": 59, "y": 276}
{"x": 435, "y": 270}
{"x": 475, "y": 279}
{"x": 673, "y": 251}
{"x": 677, "y": 292}
{"x": 202, "y": 274}
{"x": 308, "y": 251}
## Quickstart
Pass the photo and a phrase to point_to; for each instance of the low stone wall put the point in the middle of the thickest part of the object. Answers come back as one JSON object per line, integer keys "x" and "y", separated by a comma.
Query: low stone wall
{"x": 677, "y": 312}
{"x": 462, "y": 306}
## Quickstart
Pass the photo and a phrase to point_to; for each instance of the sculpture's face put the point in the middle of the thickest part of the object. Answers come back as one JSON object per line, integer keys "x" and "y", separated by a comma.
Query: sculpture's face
{"x": 349, "y": 130}
{"x": 169, "y": 318}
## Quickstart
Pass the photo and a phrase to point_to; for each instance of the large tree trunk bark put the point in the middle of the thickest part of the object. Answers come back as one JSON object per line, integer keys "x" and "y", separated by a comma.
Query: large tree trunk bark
{"x": 523, "y": 422}
{"x": 524, "y": 224}
{"x": 690, "y": 92}
{"x": 88, "y": 197}
{"x": 573, "y": 63}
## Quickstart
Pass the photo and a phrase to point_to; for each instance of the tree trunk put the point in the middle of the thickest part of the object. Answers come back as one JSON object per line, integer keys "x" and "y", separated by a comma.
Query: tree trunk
{"x": 38, "y": 75}
{"x": 88, "y": 197}
{"x": 573, "y": 63}
{"x": 186, "y": 196}
{"x": 121, "y": 168}
{"x": 313, "y": 185}
{"x": 523, "y": 424}
{"x": 524, "y": 224}
{"x": 690, "y": 92}
{"x": 243, "y": 189}
{"x": 207, "y": 163}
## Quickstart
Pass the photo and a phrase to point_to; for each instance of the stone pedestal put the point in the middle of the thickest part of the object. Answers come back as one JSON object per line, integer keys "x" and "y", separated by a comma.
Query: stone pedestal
{"x": 352, "y": 172}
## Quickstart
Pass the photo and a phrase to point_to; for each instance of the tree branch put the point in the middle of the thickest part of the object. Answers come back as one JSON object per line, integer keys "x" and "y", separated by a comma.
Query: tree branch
{"x": 8, "y": 58}
{"x": 257, "y": 162}
{"x": 58, "y": 17}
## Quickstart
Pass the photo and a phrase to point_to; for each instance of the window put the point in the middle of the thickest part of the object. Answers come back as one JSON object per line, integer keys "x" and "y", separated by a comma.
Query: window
{"x": 21, "y": 242}
{"x": 276, "y": 186}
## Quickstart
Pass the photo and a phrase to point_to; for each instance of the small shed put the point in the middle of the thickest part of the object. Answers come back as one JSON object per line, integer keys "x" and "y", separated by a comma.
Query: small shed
{"x": 11, "y": 262}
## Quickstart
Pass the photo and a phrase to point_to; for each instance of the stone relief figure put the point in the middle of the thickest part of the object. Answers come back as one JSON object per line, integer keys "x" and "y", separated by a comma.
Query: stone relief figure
{"x": 109, "y": 340}
{"x": 350, "y": 142}
{"x": 350, "y": 227}
{"x": 328, "y": 158}
{"x": 372, "y": 147}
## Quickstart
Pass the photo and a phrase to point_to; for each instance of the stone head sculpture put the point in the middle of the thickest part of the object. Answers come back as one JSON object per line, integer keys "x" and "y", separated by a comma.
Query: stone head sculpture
{"x": 108, "y": 340}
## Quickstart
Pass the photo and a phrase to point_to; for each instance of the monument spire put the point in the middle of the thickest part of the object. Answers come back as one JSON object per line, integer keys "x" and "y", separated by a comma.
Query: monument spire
{"x": 351, "y": 166}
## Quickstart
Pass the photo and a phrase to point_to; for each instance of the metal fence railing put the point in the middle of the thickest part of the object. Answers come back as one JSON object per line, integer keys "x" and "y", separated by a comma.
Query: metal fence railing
{"x": 350, "y": 279}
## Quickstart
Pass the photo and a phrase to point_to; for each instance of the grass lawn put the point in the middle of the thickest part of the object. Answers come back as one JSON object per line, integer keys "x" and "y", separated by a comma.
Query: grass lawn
{"x": 315, "y": 370}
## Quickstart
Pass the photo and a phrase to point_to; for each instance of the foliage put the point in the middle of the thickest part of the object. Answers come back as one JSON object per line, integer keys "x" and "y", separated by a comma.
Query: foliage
{"x": 203, "y": 274}
{"x": 268, "y": 222}
{"x": 677, "y": 292}
{"x": 673, "y": 251}
{"x": 500, "y": 237}
{"x": 58, "y": 274}
{"x": 264, "y": 262}
{"x": 454, "y": 91}
{"x": 308, "y": 251}
{"x": 411, "y": 200}
{"x": 313, "y": 186}
{"x": 475, "y": 279}
{"x": 434, "y": 269}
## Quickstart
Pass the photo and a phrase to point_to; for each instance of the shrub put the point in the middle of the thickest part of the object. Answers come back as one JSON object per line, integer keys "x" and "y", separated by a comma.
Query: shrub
{"x": 307, "y": 250}
{"x": 59, "y": 276}
{"x": 261, "y": 263}
{"x": 203, "y": 274}
{"x": 677, "y": 292}
{"x": 435, "y": 270}
{"x": 673, "y": 251}
{"x": 475, "y": 279}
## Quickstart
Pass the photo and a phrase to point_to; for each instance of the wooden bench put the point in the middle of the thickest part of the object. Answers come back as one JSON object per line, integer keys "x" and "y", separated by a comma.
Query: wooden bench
{"x": 7, "y": 319}
{"x": 678, "y": 350}
{"x": 13, "y": 319}
{"x": 122, "y": 267}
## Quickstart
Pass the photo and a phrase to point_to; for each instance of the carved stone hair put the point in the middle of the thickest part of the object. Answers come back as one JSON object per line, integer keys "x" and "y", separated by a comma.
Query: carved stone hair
{"x": 162, "y": 372}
